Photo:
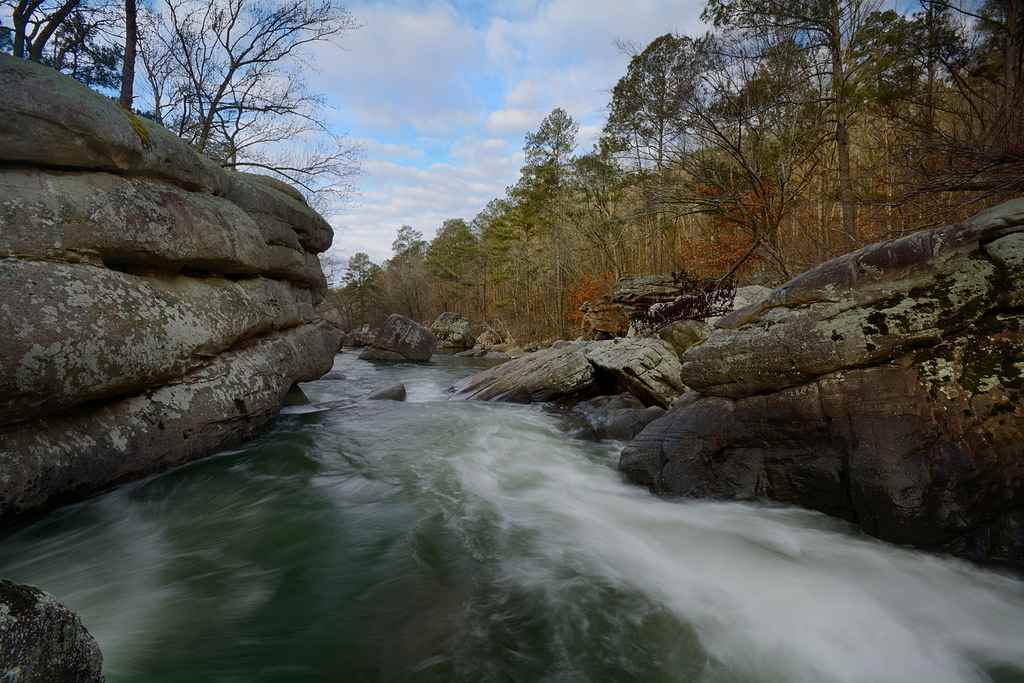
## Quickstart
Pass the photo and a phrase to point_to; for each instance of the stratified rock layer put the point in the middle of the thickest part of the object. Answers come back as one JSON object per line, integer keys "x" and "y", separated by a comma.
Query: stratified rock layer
{"x": 154, "y": 308}
{"x": 647, "y": 368}
{"x": 885, "y": 387}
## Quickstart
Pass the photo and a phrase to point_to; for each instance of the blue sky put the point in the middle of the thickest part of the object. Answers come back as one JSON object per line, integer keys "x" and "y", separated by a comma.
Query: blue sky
{"x": 440, "y": 94}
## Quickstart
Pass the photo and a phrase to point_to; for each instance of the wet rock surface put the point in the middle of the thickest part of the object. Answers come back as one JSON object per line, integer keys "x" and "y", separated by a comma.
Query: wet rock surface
{"x": 619, "y": 417}
{"x": 42, "y": 641}
{"x": 155, "y": 307}
{"x": 885, "y": 387}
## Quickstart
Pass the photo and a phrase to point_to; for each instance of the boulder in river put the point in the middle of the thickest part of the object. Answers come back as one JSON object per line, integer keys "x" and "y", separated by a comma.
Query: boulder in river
{"x": 648, "y": 368}
{"x": 453, "y": 331}
{"x": 392, "y": 393}
{"x": 154, "y": 307}
{"x": 401, "y": 339}
{"x": 42, "y": 641}
{"x": 619, "y": 417}
{"x": 885, "y": 387}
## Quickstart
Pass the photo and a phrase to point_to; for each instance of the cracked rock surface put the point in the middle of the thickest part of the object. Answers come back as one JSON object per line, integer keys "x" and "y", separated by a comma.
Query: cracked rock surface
{"x": 154, "y": 307}
{"x": 885, "y": 387}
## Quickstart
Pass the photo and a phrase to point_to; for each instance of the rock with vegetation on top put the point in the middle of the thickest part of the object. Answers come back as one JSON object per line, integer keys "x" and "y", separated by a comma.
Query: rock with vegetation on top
{"x": 648, "y": 368}
{"x": 610, "y": 315}
{"x": 42, "y": 641}
{"x": 155, "y": 308}
{"x": 401, "y": 339}
{"x": 885, "y": 387}
{"x": 453, "y": 331}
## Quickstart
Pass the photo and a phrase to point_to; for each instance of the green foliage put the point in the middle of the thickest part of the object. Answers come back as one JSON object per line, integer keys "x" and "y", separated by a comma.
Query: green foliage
{"x": 453, "y": 252}
{"x": 80, "y": 50}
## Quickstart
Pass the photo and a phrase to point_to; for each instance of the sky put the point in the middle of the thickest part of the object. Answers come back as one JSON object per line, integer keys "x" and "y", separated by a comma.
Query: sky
{"x": 440, "y": 94}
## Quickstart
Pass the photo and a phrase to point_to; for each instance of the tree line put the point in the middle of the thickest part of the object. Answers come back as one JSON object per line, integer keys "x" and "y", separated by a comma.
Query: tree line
{"x": 794, "y": 131}
{"x": 224, "y": 75}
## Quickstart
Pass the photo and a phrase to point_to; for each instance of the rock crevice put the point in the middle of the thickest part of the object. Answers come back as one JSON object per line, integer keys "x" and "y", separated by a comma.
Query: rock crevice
{"x": 885, "y": 387}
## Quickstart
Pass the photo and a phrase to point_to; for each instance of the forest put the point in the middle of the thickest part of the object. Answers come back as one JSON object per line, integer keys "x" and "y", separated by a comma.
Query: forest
{"x": 793, "y": 132}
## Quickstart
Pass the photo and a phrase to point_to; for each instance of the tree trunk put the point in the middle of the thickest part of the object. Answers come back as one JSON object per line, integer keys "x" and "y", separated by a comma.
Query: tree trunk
{"x": 843, "y": 136}
{"x": 128, "y": 68}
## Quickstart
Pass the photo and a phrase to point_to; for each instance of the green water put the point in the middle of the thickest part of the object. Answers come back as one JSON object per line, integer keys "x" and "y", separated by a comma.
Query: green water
{"x": 453, "y": 541}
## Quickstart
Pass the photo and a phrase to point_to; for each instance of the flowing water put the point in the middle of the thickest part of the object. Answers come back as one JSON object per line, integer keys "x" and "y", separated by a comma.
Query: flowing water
{"x": 452, "y": 541}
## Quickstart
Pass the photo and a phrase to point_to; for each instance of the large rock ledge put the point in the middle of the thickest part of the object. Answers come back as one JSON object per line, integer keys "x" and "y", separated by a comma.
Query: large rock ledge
{"x": 154, "y": 307}
{"x": 572, "y": 371}
{"x": 885, "y": 387}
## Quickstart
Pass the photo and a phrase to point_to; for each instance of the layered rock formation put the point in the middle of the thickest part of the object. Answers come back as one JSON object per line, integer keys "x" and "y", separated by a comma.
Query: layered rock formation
{"x": 154, "y": 307}
{"x": 647, "y": 368}
{"x": 400, "y": 339}
{"x": 885, "y": 387}
{"x": 42, "y": 641}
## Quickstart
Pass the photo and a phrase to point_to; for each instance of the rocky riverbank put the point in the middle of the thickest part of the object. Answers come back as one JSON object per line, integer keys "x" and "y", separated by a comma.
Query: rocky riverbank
{"x": 884, "y": 387}
{"x": 154, "y": 307}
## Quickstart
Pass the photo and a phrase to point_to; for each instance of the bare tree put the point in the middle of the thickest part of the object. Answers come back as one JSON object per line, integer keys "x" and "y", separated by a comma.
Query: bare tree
{"x": 227, "y": 76}
{"x": 35, "y": 21}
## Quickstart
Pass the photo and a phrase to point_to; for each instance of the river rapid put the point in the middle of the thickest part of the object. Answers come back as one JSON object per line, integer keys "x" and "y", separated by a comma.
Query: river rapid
{"x": 458, "y": 541}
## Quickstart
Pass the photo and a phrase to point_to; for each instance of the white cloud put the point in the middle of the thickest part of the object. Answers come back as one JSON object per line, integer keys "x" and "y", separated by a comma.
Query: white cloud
{"x": 513, "y": 120}
{"x": 444, "y": 100}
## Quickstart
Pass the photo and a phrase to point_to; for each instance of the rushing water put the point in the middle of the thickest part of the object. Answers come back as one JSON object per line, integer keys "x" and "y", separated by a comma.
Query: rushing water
{"x": 453, "y": 541}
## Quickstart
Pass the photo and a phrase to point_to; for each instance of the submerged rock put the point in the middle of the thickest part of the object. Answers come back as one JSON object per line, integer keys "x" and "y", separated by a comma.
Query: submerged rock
{"x": 42, "y": 641}
{"x": 154, "y": 307}
{"x": 392, "y": 393}
{"x": 401, "y": 339}
{"x": 885, "y": 387}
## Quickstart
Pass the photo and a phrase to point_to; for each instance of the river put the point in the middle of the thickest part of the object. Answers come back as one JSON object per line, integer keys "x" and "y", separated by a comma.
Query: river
{"x": 458, "y": 541}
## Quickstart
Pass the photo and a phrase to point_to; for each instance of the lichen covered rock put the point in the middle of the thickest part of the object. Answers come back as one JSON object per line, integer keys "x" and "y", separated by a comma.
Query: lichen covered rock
{"x": 885, "y": 387}
{"x": 154, "y": 307}
{"x": 453, "y": 331}
{"x": 42, "y": 641}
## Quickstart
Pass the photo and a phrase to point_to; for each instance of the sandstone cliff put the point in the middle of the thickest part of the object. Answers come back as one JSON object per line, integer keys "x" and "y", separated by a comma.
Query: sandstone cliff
{"x": 885, "y": 387}
{"x": 154, "y": 308}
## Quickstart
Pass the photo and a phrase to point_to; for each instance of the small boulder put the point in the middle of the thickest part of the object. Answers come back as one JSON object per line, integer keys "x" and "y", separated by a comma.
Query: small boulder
{"x": 393, "y": 393}
{"x": 401, "y": 339}
{"x": 42, "y": 641}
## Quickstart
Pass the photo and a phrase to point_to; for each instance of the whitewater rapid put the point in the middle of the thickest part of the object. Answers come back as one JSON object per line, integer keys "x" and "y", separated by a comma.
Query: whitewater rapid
{"x": 436, "y": 540}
